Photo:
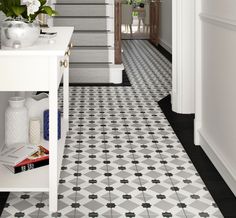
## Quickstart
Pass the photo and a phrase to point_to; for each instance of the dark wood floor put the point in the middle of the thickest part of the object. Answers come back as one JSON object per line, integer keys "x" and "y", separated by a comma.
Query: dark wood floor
{"x": 183, "y": 126}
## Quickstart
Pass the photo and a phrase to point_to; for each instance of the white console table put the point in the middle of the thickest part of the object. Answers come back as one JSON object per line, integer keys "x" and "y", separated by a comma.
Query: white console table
{"x": 39, "y": 68}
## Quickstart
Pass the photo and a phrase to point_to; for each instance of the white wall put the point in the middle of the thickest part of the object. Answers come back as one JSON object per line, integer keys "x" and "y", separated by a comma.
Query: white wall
{"x": 217, "y": 116}
{"x": 166, "y": 24}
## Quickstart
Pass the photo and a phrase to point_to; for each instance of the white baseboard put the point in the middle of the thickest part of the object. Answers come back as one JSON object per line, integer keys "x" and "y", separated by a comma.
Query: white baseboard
{"x": 166, "y": 45}
{"x": 197, "y": 135}
{"x": 116, "y": 74}
{"x": 218, "y": 161}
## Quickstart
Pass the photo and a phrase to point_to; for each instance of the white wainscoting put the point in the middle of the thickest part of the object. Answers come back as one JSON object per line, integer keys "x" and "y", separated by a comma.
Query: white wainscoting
{"x": 219, "y": 21}
{"x": 216, "y": 93}
{"x": 219, "y": 161}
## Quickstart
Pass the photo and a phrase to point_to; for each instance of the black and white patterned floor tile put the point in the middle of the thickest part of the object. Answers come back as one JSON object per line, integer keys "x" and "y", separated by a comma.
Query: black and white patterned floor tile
{"x": 122, "y": 158}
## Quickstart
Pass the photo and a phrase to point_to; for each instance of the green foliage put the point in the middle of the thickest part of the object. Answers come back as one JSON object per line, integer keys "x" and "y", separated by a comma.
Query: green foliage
{"x": 48, "y": 10}
{"x": 14, "y": 9}
{"x": 18, "y": 10}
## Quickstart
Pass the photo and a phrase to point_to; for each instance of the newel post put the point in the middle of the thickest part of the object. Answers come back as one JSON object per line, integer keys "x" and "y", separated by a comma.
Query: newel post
{"x": 117, "y": 30}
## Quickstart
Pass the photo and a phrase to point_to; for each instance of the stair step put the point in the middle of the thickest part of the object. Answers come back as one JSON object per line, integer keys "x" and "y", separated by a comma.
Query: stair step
{"x": 92, "y": 57}
{"x": 85, "y": 10}
{"x": 86, "y": 23}
{"x": 95, "y": 73}
{"x": 87, "y": 1}
{"x": 93, "y": 65}
{"x": 93, "y": 38}
{"x": 92, "y": 54}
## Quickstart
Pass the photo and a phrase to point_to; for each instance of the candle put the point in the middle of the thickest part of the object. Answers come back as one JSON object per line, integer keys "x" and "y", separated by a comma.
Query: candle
{"x": 35, "y": 130}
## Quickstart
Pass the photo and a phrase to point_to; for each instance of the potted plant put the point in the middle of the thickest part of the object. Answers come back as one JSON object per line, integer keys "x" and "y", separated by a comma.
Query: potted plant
{"x": 21, "y": 28}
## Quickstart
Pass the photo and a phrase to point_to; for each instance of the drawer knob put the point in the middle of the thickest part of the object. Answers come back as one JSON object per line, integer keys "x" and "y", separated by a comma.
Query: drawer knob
{"x": 71, "y": 45}
{"x": 68, "y": 53}
{"x": 64, "y": 63}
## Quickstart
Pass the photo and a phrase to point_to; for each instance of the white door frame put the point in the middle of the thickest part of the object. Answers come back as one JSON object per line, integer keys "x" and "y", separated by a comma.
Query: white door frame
{"x": 179, "y": 94}
{"x": 176, "y": 56}
{"x": 198, "y": 71}
{"x": 183, "y": 55}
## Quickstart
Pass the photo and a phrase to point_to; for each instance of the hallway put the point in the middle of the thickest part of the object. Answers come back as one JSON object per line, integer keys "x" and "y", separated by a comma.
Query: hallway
{"x": 122, "y": 158}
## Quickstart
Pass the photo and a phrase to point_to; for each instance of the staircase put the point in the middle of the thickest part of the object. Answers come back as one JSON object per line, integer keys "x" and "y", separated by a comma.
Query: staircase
{"x": 92, "y": 56}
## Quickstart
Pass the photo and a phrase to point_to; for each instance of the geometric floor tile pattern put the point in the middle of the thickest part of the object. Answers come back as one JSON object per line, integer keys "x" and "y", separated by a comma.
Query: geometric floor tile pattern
{"x": 122, "y": 158}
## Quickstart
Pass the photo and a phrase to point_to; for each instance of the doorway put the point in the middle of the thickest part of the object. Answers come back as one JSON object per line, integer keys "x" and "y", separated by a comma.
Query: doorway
{"x": 181, "y": 43}
{"x": 140, "y": 19}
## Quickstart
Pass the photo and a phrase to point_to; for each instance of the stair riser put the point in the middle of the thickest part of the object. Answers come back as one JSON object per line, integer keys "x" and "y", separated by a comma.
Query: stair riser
{"x": 93, "y": 39}
{"x": 89, "y": 75}
{"x": 86, "y": 23}
{"x": 85, "y": 10}
{"x": 92, "y": 56}
{"x": 96, "y": 75}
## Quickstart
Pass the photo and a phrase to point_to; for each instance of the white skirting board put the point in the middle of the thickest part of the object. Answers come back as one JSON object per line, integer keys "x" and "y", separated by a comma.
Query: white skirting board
{"x": 166, "y": 45}
{"x": 219, "y": 162}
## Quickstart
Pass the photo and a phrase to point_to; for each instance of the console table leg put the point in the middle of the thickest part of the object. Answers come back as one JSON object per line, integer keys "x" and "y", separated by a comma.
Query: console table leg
{"x": 66, "y": 92}
{"x": 53, "y": 150}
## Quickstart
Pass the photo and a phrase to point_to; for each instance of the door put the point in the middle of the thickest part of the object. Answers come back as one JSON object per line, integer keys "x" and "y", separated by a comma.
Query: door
{"x": 154, "y": 22}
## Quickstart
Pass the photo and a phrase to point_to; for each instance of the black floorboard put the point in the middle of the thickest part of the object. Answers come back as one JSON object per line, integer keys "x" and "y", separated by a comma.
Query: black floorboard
{"x": 183, "y": 126}
{"x": 3, "y": 200}
{"x": 167, "y": 54}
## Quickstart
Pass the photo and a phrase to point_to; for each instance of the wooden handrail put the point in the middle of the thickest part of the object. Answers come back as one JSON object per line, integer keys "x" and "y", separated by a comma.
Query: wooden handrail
{"x": 117, "y": 32}
{"x": 154, "y": 22}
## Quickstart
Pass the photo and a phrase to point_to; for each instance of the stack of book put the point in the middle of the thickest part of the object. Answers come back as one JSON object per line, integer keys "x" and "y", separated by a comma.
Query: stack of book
{"x": 20, "y": 158}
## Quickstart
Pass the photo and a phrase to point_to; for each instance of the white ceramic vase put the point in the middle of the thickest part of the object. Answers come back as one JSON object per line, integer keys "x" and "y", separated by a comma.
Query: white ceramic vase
{"x": 36, "y": 105}
{"x": 19, "y": 33}
{"x": 16, "y": 122}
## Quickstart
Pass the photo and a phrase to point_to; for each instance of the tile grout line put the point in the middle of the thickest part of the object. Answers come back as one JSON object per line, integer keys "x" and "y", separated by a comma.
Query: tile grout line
{"x": 159, "y": 153}
{"x": 77, "y": 177}
{"x": 166, "y": 168}
{"x": 40, "y": 202}
{"x": 90, "y": 106}
{"x": 105, "y": 146}
{"x": 140, "y": 183}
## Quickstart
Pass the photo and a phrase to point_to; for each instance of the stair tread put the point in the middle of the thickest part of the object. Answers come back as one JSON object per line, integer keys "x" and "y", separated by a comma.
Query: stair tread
{"x": 90, "y": 56}
{"x": 83, "y": 17}
{"x": 93, "y": 65}
{"x": 93, "y": 31}
{"x": 92, "y": 48}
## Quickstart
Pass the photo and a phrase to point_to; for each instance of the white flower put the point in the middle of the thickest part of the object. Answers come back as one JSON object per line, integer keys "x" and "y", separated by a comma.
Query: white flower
{"x": 32, "y": 6}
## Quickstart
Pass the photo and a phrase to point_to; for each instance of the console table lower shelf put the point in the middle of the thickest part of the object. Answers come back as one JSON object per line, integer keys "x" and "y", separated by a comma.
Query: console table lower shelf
{"x": 35, "y": 180}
